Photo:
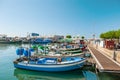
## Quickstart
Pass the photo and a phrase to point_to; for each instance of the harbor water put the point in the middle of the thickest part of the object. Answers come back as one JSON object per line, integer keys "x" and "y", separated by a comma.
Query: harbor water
{"x": 8, "y": 72}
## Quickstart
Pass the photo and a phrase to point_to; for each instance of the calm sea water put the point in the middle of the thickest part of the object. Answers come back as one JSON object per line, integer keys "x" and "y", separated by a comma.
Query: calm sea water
{"x": 8, "y": 72}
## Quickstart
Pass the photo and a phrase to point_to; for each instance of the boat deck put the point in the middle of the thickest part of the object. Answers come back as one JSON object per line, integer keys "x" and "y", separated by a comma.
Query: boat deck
{"x": 104, "y": 64}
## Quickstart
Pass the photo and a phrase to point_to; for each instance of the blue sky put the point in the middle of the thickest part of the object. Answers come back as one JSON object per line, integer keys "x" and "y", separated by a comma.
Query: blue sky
{"x": 62, "y": 17}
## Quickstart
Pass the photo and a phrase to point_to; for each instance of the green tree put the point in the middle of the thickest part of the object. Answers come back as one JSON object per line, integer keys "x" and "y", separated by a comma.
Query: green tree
{"x": 102, "y": 35}
{"x": 111, "y": 34}
{"x": 114, "y": 34}
{"x": 68, "y": 36}
{"x": 118, "y": 34}
{"x": 108, "y": 35}
{"x": 83, "y": 37}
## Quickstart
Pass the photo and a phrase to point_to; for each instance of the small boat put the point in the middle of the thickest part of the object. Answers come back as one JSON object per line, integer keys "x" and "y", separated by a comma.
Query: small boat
{"x": 51, "y": 64}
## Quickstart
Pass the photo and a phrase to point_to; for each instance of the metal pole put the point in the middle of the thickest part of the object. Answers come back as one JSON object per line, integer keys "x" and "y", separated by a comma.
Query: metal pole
{"x": 28, "y": 49}
{"x": 119, "y": 39}
{"x": 114, "y": 53}
{"x": 28, "y": 56}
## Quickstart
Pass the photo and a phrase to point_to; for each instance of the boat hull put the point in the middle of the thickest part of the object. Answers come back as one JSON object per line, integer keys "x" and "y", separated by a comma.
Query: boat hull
{"x": 51, "y": 67}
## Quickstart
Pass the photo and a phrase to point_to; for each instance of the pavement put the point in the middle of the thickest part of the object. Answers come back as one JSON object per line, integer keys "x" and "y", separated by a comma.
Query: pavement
{"x": 104, "y": 62}
{"x": 110, "y": 53}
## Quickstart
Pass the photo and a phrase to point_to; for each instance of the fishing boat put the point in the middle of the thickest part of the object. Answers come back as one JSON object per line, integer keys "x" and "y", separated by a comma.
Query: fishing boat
{"x": 56, "y": 51}
{"x": 47, "y": 63}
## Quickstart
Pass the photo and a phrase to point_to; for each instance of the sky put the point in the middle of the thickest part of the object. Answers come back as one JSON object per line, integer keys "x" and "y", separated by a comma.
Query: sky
{"x": 59, "y": 17}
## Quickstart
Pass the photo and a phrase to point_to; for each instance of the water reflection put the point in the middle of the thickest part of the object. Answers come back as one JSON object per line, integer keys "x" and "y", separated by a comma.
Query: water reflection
{"x": 7, "y": 46}
{"x": 69, "y": 75}
{"x": 109, "y": 76}
{"x": 33, "y": 75}
{"x": 14, "y": 46}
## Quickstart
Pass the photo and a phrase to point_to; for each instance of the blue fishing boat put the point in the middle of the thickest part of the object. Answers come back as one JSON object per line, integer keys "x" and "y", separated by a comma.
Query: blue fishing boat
{"x": 51, "y": 64}
{"x": 47, "y": 63}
